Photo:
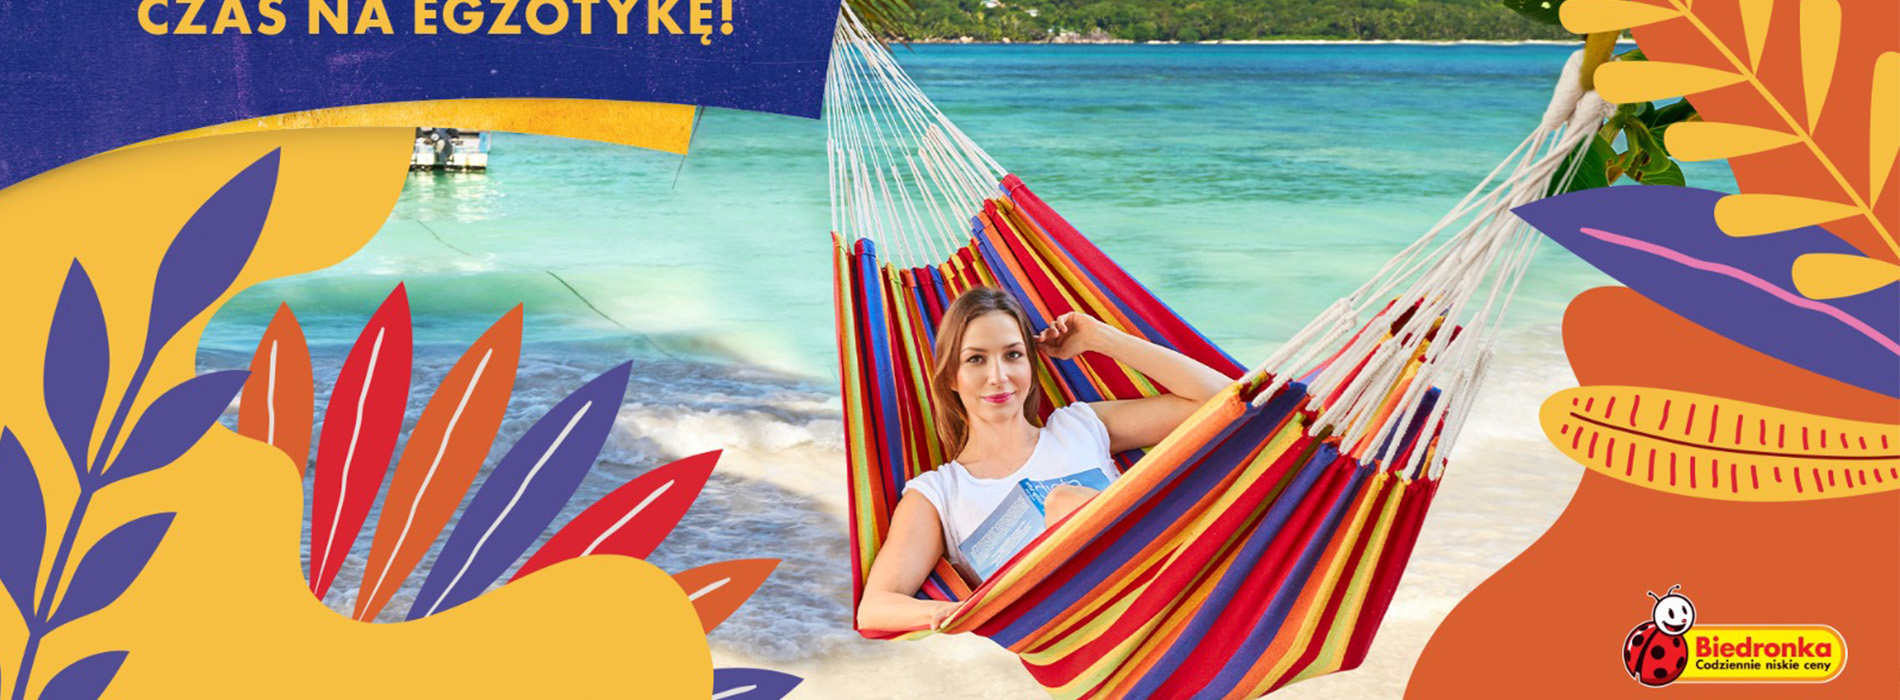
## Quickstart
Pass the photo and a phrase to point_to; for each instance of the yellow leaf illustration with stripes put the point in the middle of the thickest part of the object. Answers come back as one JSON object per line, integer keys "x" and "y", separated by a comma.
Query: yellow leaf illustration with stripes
{"x": 1708, "y": 447}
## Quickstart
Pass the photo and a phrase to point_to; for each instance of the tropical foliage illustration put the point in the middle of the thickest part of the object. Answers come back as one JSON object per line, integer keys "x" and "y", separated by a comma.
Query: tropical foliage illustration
{"x": 198, "y": 267}
{"x": 1800, "y": 266}
{"x": 446, "y": 448}
{"x": 149, "y": 428}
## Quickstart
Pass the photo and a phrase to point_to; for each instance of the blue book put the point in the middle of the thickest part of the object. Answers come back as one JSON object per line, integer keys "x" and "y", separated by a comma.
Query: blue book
{"x": 1038, "y": 491}
{"x": 1017, "y": 521}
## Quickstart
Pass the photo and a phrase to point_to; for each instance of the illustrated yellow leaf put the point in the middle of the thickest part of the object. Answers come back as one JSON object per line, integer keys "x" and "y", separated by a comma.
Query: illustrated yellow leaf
{"x": 1755, "y": 16}
{"x": 1707, "y": 447}
{"x": 1835, "y": 275}
{"x": 1883, "y": 138}
{"x": 1713, "y": 140}
{"x": 1820, "y": 45}
{"x": 1624, "y": 82}
{"x": 1592, "y": 16}
{"x": 1756, "y": 214}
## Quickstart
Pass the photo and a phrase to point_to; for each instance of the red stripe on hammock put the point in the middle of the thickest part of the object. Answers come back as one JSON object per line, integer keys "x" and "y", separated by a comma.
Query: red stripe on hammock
{"x": 1223, "y": 640}
{"x": 1338, "y": 599}
{"x": 1417, "y": 499}
{"x": 1188, "y": 570}
{"x": 1117, "y": 282}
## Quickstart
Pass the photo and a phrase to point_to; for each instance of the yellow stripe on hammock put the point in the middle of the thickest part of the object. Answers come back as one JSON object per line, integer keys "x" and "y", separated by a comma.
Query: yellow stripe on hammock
{"x": 1332, "y": 654}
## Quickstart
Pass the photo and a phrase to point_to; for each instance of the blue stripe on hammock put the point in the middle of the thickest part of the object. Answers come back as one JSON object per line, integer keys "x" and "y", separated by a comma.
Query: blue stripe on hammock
{"x": 941, "y": 292}
{"x": 1233, "y": 443}
{"x": 1270, "y": 624}
{"x": 890, "y": 440}
{"x": 1214, "y": 606}
{"x": 890, "y": 432}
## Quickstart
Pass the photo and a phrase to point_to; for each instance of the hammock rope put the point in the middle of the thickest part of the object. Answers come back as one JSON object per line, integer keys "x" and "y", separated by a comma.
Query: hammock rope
{"x": 1262, "y": 541}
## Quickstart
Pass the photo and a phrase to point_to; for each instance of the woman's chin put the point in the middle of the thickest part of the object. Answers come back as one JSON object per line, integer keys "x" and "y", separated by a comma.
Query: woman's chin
{"x": 994, "y": 412}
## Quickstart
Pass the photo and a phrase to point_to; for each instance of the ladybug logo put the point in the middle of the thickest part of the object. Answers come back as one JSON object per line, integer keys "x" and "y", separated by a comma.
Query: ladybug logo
{"x": 1654, "y": 654}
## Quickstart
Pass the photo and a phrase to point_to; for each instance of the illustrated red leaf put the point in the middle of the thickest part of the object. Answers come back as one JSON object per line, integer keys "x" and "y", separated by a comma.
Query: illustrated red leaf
{"x": 717, "y": 590}
{"x": 632, "y": 520}
{"x": 360, "y": 427}
{"x": 277, "y": 405}
{"x": 446, "y": 449}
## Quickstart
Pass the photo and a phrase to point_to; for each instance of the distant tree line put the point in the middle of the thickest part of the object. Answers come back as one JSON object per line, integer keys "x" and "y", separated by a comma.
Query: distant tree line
{"x": 1206, "y": 20}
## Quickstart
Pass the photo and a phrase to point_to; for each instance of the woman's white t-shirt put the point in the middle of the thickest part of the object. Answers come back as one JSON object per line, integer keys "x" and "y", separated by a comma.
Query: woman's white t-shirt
{"x": 1073, "y": 443}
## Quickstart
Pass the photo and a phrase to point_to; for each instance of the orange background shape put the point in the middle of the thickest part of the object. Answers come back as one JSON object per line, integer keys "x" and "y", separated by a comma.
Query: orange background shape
{"x": 1868, "y": 28}
{"x": 1551, "y": 623}
{"x": 1614, "y": 335}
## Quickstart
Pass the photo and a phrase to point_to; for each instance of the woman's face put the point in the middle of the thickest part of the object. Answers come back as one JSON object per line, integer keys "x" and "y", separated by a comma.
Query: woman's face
{"x": 994, "y": 373}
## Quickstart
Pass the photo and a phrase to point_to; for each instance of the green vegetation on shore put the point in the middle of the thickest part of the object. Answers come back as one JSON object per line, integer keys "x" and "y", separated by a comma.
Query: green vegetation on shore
{"x": 1208, "y": 20}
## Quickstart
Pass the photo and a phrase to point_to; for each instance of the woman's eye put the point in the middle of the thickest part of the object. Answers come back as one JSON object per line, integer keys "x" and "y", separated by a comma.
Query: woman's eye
{"x": 1015, "y": 354}
{"x": 974, "y": 359}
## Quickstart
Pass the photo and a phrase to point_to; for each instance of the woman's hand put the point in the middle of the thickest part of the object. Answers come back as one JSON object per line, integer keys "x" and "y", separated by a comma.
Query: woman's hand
{"x": 1072, "y": 334}
{"x": 942, "y": 613}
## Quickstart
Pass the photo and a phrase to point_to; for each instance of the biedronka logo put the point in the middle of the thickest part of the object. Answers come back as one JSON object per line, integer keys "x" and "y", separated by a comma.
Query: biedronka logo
{"x": 1671, "y": 648}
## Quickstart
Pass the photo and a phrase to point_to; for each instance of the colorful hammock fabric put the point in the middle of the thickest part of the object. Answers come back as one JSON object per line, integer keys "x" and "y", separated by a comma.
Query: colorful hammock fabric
{"x": 1259, "y": 544}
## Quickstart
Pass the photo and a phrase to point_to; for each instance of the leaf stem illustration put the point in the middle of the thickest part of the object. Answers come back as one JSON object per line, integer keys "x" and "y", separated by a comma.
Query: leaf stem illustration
{"x": 1800, "y": 131}
{"x": 89, "y": 484}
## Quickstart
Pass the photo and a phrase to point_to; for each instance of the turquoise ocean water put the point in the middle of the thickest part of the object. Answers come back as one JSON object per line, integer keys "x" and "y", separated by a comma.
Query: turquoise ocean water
{"x": 1249, "y": 186}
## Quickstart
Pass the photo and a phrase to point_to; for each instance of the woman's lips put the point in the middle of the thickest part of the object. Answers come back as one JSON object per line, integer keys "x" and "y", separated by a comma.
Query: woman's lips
{"x": 999, "y": 398}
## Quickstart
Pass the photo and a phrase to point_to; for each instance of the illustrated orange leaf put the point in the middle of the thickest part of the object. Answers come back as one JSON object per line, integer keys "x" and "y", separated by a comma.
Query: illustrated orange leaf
{"x": 717, "y": 590}
{"x": 277, "y": 405}
{"x": 1708, "y": 447}
{"x": 445, "y": 451}
{"x": 1832, "y": 275}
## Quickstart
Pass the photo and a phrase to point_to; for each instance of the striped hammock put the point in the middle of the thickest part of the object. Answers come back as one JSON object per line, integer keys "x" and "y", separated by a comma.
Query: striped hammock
{"x": 1262, "y": 541}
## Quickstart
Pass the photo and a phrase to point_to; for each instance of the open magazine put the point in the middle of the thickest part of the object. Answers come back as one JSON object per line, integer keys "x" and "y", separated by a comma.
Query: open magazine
{"x": 1018, "y": 520}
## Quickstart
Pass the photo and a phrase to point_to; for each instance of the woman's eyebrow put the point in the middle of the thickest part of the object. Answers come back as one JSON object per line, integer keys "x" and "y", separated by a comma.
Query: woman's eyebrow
{"x": 976, "y": 348}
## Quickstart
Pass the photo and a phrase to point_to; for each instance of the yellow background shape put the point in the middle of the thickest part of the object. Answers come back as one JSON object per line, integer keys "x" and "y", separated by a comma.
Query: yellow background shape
{"x": 222, "y": 610}
{"x": 659, "y": 126}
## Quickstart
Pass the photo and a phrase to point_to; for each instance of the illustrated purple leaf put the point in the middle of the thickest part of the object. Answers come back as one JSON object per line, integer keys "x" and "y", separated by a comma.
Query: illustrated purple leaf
{"x": 174, "y": 422}
{"x": 78, "y": 359}
{"x": 110, "y": 566}
{"x": 23, "y": 520}
{"x": 752, "y": 684}
{"x": 1663, "y": 242}
{"x": 85, "y": 679}
{"x": 206, "y": 256}
{"x": 527, "y": 489}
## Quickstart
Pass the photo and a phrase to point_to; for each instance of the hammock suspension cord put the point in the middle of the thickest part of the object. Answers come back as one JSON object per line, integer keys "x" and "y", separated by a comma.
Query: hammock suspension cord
{"x": 903, "y": 173}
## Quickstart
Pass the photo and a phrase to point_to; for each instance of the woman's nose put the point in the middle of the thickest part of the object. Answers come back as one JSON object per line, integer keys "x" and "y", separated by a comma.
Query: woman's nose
{"x": 997, "y": 375}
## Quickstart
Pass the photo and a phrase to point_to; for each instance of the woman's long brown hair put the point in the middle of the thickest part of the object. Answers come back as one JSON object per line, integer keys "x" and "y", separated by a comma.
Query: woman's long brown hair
{"x": 953, "y": 425}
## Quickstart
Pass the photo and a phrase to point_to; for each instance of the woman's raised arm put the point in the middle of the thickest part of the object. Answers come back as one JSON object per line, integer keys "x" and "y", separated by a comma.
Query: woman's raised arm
{"x": 911, "y": 549}
{"x": 1142, "y": 422}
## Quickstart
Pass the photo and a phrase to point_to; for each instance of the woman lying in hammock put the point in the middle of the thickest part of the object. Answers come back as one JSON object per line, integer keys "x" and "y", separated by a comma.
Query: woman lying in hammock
{"x": 978, "y": 506}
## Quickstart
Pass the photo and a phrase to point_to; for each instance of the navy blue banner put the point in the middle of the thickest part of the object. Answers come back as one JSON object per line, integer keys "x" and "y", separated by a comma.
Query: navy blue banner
{"x": 85, "y": 76}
